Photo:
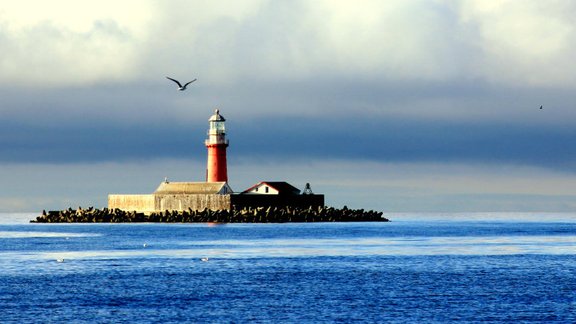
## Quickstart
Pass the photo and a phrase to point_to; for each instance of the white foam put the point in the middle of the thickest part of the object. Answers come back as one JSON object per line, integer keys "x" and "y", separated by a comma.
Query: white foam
{"x": 31, "y": 234}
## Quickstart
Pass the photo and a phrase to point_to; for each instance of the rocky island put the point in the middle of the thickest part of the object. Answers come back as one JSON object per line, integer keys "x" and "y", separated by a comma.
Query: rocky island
{"x": 245, "y": 215}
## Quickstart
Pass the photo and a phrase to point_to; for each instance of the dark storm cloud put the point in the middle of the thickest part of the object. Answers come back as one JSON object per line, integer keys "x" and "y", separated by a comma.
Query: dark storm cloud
{"x": 94, "y": 142}
{"x": 413, "y": 141}
{"x": 322, "y": 117}
{"x": 350, "y": 138}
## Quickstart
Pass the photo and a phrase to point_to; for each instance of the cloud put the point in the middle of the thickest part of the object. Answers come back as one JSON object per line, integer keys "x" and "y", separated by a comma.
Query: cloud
{"x": 507, "y": 43}
{"x": 226, "y": 43}
{"x": 354, "y": 138}
{"x": 63, "y": 43}
{"x": 299, "y": 39}
{"x": 392, "y": 40}
{"x": 527, "y": 42}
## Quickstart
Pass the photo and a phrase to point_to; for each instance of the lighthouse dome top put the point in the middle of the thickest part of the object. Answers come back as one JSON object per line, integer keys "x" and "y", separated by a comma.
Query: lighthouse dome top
{"x": 217, "y": 116}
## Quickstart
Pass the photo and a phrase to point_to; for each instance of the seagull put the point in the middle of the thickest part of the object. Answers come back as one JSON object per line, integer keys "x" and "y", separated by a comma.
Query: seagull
{"x": 59, "y": 260}
{"x": 204, "y": 259}
{"x": 180, "y": 87}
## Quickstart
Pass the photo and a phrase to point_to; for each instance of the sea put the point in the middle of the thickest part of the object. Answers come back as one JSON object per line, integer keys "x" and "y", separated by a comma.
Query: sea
{"x": 418, "y": 268}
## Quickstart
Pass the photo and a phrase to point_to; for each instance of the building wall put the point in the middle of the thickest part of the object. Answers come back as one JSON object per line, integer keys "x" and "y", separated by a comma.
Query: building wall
{"x": 161, "y": 202}
{"x": 182, "y": 202}
{"x": 140, "y": 203}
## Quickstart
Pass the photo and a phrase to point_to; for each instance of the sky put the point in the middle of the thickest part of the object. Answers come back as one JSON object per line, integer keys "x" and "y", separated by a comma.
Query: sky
{"x": 397, "y": 106}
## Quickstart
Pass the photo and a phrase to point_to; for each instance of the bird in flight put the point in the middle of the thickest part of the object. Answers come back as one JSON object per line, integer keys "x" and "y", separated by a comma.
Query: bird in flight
{"x": 180, "y": 86}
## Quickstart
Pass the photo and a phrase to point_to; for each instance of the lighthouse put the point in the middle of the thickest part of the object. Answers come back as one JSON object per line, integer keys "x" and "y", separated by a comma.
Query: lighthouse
{"x": 215, "y": 194}
{"x": 216, "y": 144}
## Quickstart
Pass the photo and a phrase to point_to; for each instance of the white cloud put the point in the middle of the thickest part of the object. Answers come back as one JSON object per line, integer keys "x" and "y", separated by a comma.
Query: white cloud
{"x": 410, "y": 39}
{"x": 64, "y": 42}
{"x": 76, "y": 16}
{"x": 301, "y": 39}
{"x": 523, "y": 42}
{"x": 518, "y": 43}
{"x": 510, "y": 42}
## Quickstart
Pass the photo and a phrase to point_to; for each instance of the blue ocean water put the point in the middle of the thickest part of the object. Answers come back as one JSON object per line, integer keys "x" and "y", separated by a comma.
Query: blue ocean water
{"x": 421, "y": 268}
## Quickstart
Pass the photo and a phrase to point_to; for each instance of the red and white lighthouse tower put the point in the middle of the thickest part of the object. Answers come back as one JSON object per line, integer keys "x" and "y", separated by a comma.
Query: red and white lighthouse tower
{"x": 216, "y": 143}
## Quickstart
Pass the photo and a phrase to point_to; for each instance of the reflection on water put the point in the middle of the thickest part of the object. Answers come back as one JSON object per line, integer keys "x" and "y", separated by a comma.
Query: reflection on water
{"x": 283, "y": 248}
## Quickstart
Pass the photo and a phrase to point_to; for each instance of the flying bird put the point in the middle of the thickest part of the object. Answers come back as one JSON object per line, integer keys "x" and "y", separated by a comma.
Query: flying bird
{"x": 180, "y": 86}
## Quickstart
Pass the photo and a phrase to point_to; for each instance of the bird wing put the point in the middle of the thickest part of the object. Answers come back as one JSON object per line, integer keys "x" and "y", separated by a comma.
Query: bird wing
{"x": 189, "y": 83}
{"x": 175, "y": 81}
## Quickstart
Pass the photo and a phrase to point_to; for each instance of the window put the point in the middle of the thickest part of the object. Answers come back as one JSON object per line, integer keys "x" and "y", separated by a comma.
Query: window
{"x": 266, "y": 189}
{"x": 218, "y": 126}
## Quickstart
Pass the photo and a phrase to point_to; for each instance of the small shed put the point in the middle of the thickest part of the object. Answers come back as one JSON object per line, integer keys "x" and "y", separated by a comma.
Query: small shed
{"x": 272, "y": 188}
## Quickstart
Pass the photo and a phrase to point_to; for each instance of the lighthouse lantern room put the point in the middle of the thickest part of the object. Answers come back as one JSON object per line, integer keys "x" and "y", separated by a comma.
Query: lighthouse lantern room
{"x": 216, "y": 170}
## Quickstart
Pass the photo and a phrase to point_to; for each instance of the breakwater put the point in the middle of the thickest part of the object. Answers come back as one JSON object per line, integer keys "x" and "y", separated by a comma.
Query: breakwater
{"x": 245, "y": 215}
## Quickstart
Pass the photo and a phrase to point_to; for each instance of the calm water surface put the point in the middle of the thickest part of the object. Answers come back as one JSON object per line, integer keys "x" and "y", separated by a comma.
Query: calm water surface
{"x": 419, "y": 268}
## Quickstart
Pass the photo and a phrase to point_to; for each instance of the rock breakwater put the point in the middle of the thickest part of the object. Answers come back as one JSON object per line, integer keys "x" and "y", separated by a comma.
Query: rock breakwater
{"x": 246, "y": 215}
